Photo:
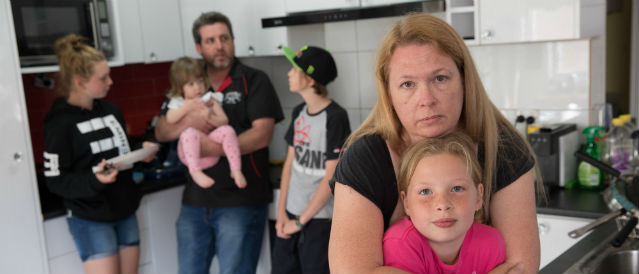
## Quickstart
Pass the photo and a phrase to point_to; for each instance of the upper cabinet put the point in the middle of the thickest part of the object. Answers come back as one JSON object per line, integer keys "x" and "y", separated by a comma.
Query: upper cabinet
{"x": 245, "y": 15}
{"x": 151, "y": 30}
{"x": 293, "y": 6}
{"x": 504, "y": 21}
{"x": 161, "y": 31}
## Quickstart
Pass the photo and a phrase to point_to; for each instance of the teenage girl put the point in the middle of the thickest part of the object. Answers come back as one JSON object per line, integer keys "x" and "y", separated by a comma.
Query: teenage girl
{"x": 188, "y": 93}
{"x": 440, "y": 186}
{"x": 80, "y": 131}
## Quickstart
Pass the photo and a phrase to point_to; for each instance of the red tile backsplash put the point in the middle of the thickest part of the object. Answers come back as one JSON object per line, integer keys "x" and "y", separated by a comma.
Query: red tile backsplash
{"x": 138, "y": 89}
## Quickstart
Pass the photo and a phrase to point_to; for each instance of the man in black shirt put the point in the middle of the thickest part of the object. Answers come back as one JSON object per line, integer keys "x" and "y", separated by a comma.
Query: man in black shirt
{"x": 224, "y": 220}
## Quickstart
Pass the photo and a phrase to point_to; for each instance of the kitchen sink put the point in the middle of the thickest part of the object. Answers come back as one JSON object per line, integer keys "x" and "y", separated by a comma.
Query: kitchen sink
{"x": 605, "y": 258}
{"x": 625, "y": 261}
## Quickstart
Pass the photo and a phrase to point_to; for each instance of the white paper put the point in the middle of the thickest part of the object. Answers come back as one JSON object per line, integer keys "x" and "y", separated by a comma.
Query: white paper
{"x": 127, "y": 160}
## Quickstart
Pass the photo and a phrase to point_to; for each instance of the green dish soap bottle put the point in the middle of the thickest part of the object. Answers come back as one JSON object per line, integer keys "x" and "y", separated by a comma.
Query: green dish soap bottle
{"x": 590, "y": 177}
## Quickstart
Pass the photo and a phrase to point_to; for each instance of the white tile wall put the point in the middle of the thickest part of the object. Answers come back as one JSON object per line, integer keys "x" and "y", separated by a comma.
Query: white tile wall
{"x": 345, "y": 89}
{"x": 548, "y": 80}
{"x": 299, "y": 36}
{"x": 354, "y": 118}
{"x": 367, "y": 81}
{"x": 340, "y": 36}
{"x": 371, "y": 31}
{"x": 278, "y": 147}
{"x": 549, "y": 75}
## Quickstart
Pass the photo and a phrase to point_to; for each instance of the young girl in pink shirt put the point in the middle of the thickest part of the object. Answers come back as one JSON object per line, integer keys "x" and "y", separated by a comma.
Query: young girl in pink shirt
{"x": 189, "y": 93}
{"x": 441, "y": 190}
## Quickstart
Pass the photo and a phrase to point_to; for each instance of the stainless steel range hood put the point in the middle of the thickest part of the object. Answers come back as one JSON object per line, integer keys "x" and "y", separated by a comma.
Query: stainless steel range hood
{"x": 335, "y": 15}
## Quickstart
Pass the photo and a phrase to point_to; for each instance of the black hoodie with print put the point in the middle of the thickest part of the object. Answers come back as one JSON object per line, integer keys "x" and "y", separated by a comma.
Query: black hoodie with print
{"x": 76, "y": 140}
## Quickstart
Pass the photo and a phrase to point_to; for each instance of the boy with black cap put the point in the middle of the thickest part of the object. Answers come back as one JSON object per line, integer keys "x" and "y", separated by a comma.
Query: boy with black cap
{"x": 315, "y": 137}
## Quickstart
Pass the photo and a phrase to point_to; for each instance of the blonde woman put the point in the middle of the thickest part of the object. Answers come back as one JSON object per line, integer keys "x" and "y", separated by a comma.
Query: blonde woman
{"x": 428, "y": 86}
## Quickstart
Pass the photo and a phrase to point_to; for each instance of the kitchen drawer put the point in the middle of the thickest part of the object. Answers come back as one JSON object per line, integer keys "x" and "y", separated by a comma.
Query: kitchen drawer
{"x": 553, "y": 235}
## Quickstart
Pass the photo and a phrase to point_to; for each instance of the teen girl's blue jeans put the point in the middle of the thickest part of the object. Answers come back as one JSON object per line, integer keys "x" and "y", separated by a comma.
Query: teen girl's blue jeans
{"x": 234, "y": 234}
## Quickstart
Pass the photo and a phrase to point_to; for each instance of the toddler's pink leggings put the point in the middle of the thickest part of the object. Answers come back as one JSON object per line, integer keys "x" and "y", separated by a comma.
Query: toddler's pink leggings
{"x": 189, "y": 148}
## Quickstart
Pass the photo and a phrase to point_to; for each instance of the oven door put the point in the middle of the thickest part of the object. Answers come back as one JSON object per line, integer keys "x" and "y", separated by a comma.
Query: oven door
{"x": 39, "y": 23}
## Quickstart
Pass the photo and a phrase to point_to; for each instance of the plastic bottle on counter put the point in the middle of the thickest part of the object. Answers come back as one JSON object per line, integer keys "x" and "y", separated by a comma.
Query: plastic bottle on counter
{"x": 620, "y": 146}
{"x": 628, "y": 122}
{"x": 589, "y": 176}
{"x": 635, "y": 152}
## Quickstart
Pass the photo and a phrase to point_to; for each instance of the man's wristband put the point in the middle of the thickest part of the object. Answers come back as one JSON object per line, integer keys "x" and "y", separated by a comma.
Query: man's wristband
{"x": 297, "y": 222}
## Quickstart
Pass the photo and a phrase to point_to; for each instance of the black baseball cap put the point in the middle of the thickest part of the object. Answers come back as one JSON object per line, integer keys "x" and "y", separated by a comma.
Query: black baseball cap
{"x": 315, "y": 62}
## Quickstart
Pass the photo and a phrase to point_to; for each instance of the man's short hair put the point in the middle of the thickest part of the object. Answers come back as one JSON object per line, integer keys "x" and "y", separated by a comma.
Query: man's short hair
{"x": 209, "y": 18}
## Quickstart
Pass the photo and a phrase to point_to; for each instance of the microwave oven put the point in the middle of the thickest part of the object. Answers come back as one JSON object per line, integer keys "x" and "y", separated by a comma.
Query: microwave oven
{"x": 39, "y": 23}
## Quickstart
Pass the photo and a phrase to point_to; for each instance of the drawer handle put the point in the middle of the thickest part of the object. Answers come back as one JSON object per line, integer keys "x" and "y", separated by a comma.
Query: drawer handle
{"x": 543, "y": 228}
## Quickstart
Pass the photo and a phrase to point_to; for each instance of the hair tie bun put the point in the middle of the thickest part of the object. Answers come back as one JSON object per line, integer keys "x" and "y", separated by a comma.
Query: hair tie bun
{"x": 77, "y": 42}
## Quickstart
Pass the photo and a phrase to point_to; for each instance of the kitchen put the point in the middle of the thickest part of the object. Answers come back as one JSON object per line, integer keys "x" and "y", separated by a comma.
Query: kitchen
{"x": 554, "y": 72}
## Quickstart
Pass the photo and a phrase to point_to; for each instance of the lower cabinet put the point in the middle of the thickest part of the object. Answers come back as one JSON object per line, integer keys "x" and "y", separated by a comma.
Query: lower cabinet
{"x": 157, "y": 215}
{"x": 553, "y": 235}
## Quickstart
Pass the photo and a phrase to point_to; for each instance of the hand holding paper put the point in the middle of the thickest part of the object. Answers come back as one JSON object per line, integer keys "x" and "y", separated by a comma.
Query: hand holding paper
{"x": 126, "y": 161}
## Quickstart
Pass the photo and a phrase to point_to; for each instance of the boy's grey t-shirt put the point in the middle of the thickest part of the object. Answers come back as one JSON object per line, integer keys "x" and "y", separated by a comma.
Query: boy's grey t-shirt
{"x": 316, "y": 138}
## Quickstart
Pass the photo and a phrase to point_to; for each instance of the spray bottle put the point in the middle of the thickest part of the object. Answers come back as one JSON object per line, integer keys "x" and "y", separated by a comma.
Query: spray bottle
{"x": 590, "y": 177}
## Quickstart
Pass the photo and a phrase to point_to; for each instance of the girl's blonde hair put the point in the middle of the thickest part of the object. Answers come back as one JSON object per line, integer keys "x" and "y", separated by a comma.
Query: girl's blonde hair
{"x": 184, "y": 70}
{"x": 480, "y": 119}
{"x": 457, "y": 144}
{"x": 75, "y": 58}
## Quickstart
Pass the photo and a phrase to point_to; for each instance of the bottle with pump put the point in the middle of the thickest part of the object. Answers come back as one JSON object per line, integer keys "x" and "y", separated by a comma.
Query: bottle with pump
{"x": 590, "y": 177}
{"x": 635, "y": 152}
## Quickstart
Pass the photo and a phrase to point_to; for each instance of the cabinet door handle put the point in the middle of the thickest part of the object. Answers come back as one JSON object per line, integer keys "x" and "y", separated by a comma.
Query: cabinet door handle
{"x": 17, "y": 157}
{"x": 543, "y": 228}
{"x": 251, "y": 50}
{"x": 153, "y": 57}
{"x": 487, "y": 34}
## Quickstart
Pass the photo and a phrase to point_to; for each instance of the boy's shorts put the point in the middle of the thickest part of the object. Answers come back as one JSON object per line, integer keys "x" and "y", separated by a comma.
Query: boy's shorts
{"x": 96, "y": 240}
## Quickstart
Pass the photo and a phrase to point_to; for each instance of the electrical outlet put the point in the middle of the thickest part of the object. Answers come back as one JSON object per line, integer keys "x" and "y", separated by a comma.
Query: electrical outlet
{"x": 531, "y": 116}
{"x": 42, "y": 81}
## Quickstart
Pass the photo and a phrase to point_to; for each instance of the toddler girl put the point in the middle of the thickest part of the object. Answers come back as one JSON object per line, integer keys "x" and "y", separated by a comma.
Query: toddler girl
{"x": 440, "y": 186}
{"x": 187, "y": 94}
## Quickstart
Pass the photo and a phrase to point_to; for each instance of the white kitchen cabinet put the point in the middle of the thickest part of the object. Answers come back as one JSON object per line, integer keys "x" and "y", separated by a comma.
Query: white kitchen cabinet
{"x": 21, "y": 233}
{"x": 130, "y": 31}
{"x": 245, "y": 16}
{"x": 294, "y": 6}
{"x": 553, "y": 235}
{"x": 463, "y": 16}
{"x": 161, "y": 31}
{"x": 504, "y": 21}
{"x": 158, "y": 214}
{"x": 151, "y": 30}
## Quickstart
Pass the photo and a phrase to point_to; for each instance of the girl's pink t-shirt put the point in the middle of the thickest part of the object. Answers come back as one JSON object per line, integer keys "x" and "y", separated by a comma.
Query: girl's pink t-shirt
{"x": 405, "y": 248}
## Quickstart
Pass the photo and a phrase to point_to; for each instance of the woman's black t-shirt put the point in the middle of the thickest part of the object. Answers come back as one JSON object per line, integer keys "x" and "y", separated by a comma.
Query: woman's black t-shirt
{"x": 366, "y": 167}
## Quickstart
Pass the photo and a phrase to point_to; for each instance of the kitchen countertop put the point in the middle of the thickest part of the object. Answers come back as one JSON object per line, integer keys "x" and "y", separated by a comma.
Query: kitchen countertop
{"x": 52, "y": 205}
{"x": 573, "y": 203}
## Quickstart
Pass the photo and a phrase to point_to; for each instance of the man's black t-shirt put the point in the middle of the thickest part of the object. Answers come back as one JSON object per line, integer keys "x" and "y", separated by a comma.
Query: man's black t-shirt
{"x": 248, "y": 96}
{"x": 366, "y": 167}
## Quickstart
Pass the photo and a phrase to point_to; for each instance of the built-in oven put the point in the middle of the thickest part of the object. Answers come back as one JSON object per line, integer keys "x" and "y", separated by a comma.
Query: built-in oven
{"x": 39, "y": 23}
